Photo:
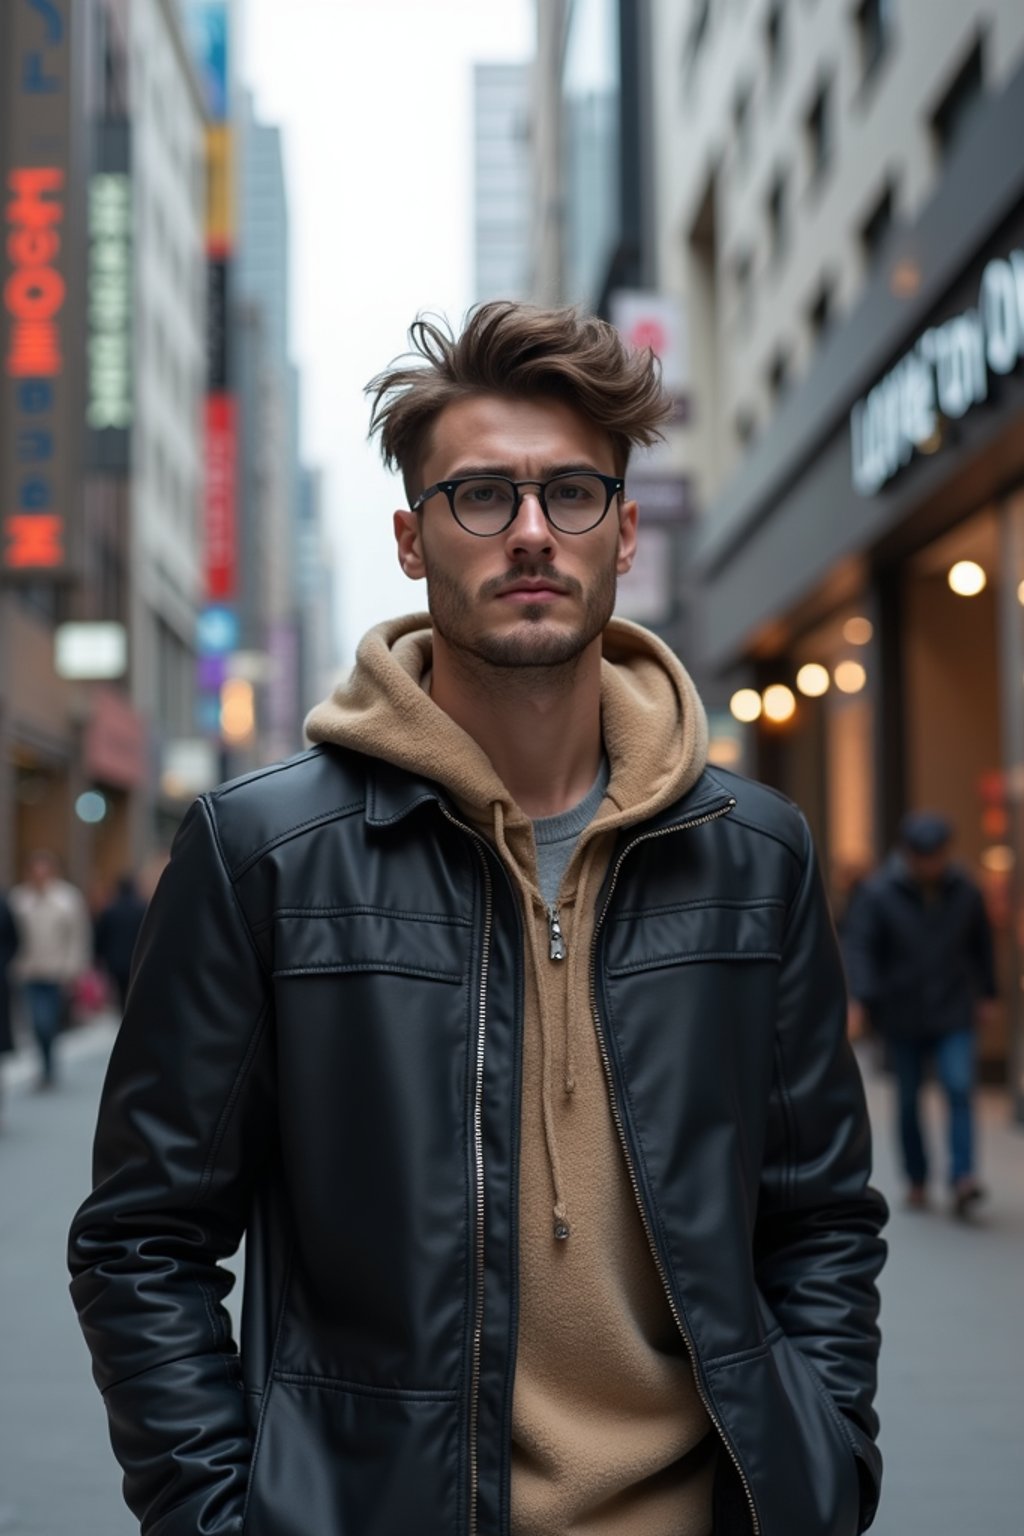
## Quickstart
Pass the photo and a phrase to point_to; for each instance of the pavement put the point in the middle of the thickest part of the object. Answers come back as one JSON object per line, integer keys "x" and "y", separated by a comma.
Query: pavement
{"x": 952, "y": 1379}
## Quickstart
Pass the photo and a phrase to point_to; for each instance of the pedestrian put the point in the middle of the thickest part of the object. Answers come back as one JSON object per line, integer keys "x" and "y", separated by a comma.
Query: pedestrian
{"x": 8, "y": 950}
{"x": 511, "y": 1037}
{"x": 115, "y": 935}
{"x": 920, "y": 958}
{"x": 53, "y": 927}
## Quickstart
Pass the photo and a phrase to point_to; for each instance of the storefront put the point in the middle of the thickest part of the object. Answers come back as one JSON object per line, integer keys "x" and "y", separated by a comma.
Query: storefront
{"x": 864, "y": 575}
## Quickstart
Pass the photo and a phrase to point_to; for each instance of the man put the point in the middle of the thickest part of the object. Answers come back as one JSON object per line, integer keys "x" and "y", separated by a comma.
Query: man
{"x": 919, "y": 953}
{"x": 511, "y": 1038}
{"x": 53, "y": 930}
{"x": 116, "y": 934}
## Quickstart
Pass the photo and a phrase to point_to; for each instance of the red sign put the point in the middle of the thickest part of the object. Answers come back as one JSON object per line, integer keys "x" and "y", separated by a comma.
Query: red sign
{"x": 220, "y": 512}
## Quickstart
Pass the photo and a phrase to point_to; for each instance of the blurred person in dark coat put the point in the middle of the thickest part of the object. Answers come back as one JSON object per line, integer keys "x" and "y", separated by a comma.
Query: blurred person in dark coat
{"x": 918, "y": 949}
{"x": 117, "y": 929}
{"x": 8, "y": 949}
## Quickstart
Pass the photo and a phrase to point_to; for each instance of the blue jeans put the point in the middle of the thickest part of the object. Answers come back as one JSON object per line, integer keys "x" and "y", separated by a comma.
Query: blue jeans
{"x": 953, "y": 1055}
{"x": 45, "y": 1002}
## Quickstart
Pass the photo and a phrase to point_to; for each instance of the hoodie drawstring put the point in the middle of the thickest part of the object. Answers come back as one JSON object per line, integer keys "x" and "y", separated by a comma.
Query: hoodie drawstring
{"x": 561, "y": 1226}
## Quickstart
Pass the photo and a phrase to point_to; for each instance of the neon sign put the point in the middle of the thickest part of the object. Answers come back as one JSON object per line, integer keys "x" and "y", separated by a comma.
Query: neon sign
{"x": 109, "y": 385}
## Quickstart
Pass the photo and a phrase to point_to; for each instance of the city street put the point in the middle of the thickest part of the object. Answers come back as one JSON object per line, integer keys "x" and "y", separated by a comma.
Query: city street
{"x": 952, "y": 1393}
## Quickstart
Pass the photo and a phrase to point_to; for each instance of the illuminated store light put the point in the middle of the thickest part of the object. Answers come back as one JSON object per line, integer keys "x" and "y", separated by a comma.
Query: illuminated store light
{"x": 779, "y": 703}
{"x": 91, "y": 807}
{"x": 1020, "y": 594}
{"x": 966, "y": 578}
{"x": 237, "y": 709}
{"x": 813, "y": 680}
{"x": 850, "y": 677}
{"x": 745, "y": 705}
{"x": 858, "y": 631}
{"x": 998, "y": 859}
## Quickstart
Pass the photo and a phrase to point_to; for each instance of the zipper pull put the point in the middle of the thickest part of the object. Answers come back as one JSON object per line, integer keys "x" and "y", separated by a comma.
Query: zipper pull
{"x": 556, "y": 942}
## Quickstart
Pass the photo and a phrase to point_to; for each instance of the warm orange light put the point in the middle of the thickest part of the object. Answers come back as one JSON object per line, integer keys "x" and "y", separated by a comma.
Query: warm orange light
{"x": 237, "y": 709}
{"x": 779, "y": 703}
{"x": 850, "y": 677}
{"x": 745, "y": 705}
{"x": 966, "y": 578}
{"x": 858, "y": 631}
{"x": 813, "y": 680}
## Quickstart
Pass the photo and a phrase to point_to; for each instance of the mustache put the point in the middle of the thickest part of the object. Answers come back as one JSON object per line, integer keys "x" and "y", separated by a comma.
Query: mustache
{"x": 541, "y": 572}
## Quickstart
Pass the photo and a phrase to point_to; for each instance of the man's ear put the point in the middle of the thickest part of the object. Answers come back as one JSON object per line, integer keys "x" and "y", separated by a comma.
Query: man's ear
{"x": 409, "y": 538}
{"x": 627, "y": 536}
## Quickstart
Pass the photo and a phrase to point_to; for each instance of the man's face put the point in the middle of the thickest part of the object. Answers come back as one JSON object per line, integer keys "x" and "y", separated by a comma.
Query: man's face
{"x": 928, "y": 868}
{"x": 530, "y": 596}
{"x": 41, "y": 871}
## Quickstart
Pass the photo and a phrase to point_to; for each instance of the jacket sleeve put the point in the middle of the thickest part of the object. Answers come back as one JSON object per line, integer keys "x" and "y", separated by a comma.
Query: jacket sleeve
{"x": 185, "y": 1109}
{"x": 817, "y": 1245}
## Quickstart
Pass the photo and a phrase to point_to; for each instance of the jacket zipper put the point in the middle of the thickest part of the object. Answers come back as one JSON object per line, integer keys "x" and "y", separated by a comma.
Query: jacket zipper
{"x": 478, "y": 1166}
{"x": 684, "y": 826}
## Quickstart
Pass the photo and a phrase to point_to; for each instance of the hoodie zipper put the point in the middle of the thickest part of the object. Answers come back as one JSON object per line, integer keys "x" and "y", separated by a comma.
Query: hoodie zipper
{"x": 556, "y": 938}
{"x": 478, "y": 1167}
{"x": 683, "y": 826}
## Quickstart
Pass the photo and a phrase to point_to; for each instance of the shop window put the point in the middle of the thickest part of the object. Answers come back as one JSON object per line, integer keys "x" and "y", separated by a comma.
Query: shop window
{"x": 875, "y": 229}
{"x": 874, "y": 23}
{"x": 818, "y": 131}
{"x": 960, "y": 103}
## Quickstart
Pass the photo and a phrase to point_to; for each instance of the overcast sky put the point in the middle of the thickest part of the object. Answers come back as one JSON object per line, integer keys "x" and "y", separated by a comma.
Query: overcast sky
{"x": 374, "y": 99}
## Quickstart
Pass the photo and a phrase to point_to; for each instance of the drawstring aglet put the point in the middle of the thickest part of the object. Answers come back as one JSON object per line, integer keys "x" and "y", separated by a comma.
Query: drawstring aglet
{"x": 561, "y": 1228}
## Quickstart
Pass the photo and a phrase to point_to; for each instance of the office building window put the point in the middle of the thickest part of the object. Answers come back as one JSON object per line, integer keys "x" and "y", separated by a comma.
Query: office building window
{"x": 819, "y": 129}
{"x": 779, "y": 374}
{"x": 874, "y": 22}
{"x": 822, "y": 311}
{"x": 741, "y": 124}
{"x": 961, "y": 101}
{"x": 741, "y": 271}
{"x": 875, "y": 229}
{"x": 778, "y": 230}
{"x": 775, "y": 43}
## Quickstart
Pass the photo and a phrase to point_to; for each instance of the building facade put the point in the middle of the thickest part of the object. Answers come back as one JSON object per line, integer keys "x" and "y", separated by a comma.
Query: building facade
{"x": 502, "y": 185}
{"x": 840, "y": 207}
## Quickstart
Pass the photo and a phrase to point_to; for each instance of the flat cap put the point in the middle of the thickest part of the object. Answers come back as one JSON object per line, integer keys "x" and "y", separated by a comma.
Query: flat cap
{"x": 925, "y": 831}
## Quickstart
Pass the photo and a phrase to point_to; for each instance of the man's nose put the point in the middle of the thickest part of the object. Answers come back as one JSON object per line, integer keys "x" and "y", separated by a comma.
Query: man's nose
{"x": 529, "y": 529}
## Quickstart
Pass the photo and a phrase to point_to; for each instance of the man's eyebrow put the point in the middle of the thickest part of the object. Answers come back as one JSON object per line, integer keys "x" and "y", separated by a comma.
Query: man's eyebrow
{"x": 510, "y": 472}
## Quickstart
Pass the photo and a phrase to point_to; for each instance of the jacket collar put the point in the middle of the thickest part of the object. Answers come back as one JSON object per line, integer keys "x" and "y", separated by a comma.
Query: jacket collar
{"x": 392, "y": 793}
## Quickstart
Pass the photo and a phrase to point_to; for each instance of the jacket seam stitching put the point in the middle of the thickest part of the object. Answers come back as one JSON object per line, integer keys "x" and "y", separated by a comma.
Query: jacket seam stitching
{"x": 268, "y": 1384}
{"x": 752, "y": 826}
{"x": 257, "y": 774}
{"x": 336, "y": 813}
{"x": 741, "y": 1356}
{"x": 706, "y": 904}
{"x": 651, "y": 962}
{"x": 366, "y": 1389}
{"x": 371, "y": 963}
{"x": 439, "y": 918}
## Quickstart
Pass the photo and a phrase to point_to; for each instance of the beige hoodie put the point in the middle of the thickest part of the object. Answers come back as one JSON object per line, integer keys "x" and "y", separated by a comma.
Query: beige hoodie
{"x": 609, "y": 1434}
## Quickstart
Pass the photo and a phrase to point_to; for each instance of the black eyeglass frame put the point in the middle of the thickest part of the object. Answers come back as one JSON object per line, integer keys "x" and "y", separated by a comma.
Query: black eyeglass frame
{"x": 614, "y": 485}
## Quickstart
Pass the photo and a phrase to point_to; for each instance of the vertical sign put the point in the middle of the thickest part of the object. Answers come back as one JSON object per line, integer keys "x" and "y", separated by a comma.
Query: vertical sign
{"x": 38, "y": 435}
{"x": 109, "y": 383}
{"x": 207, "y": 22}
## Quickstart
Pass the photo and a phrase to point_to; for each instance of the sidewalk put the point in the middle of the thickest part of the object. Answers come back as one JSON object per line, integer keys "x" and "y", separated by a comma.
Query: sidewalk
{"x": 951, "y": 1395}
{"x": 952, "y": 1380}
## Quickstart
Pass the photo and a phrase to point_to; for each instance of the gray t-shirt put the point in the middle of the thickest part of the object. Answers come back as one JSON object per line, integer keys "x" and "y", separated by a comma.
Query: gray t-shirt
{"x": 556, "y": 836}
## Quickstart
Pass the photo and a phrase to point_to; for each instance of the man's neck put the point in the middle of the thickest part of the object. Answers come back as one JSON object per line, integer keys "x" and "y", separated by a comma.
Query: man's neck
{"x": 540, "y": 726}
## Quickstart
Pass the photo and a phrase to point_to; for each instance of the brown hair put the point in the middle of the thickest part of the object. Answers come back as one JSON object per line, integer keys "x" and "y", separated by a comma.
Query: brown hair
{"x": 518, "y": 350}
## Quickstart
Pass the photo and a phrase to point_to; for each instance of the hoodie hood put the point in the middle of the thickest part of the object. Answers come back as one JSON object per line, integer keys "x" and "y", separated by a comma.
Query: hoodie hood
{"x": 653, "y": 723}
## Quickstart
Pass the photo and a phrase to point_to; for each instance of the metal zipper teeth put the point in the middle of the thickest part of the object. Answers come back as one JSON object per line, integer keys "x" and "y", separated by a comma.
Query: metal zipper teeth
{"x": 684, "y": 826}
{"x": 478, "y": 1162}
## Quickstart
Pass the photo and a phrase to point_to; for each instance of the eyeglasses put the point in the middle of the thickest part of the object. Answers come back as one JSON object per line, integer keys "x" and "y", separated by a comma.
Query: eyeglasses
{"x": 488, "y": 504}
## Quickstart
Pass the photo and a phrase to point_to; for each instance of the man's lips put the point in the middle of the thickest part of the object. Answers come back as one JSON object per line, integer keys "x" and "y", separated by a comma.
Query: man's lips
{"x": 532, "y": 592}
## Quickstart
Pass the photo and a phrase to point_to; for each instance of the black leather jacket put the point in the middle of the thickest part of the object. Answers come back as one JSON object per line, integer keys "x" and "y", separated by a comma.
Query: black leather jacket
{"x": 321, "y": 1051}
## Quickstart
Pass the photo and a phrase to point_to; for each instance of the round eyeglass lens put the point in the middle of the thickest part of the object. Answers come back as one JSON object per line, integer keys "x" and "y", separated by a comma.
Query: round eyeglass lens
{"x": 576, "y": 502}
{"x": 484, "y": 505}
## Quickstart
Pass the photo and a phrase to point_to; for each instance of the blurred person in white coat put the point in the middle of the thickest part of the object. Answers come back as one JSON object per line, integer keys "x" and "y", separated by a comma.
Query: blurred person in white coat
{"x": 53, "y": 929}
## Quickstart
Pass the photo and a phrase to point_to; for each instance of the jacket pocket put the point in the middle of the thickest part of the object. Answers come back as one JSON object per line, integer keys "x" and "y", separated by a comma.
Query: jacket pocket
{"x": 790, "y": 1438}
{"x": 337, "y": 941}
{"x": 336, "y": 1459}
{"x": 693, "y": 933}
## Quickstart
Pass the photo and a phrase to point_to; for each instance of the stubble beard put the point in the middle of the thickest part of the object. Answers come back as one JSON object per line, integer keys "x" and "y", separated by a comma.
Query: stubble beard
{"x": 451, "y": 609}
